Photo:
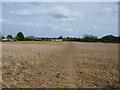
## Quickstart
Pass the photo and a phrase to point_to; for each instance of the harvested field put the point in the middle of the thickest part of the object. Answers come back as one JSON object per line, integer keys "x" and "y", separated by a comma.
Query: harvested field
{"x": 59, "y": 65}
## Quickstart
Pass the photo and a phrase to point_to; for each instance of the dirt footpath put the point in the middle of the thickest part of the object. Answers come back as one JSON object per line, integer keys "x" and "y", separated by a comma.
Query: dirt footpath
{"x": 66, "y": 65}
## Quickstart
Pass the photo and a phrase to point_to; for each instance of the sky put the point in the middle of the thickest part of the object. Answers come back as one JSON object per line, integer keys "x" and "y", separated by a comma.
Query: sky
{"x": 53, "y": 19}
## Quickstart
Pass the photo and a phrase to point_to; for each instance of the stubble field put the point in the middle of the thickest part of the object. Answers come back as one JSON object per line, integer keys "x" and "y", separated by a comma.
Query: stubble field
{"x": 59, "y": 65}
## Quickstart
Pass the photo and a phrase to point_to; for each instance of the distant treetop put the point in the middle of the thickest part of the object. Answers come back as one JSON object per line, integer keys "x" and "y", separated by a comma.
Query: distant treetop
{"x": 20, "y": 36}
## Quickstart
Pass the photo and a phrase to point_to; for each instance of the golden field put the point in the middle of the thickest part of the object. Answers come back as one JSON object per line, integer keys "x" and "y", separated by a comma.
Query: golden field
{"x": 36, "y": 42}
{"x": 34, "y": 64}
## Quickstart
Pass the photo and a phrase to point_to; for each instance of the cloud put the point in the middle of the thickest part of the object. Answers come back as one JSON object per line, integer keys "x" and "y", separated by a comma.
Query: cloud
{"x": 67, "y": 19}
{"x": 108, "y": 10}
{"x": 24, "y": 12}
{"x": 35, "y": 3}
{"x": 31, "y": 24}
{"x": 3, "y": 21}
{"x": 111, "y": 10}
{"x": 68, "y": 29}
{"x": 96, "y": 27}
{"x": 63, "y": 12}
{"x": 9, "y": 5}
{"x": 58, "y": 12}
{"x": 38, "y": 25}
{"x": 55, "y": 27}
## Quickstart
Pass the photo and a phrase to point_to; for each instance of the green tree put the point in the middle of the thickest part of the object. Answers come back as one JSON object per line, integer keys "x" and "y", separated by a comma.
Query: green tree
{"x": 0, "y": 37}
{"x": 9, "y": 36}
{"x": 60, "y": 37}
{"x": 20, "y": 36}
{"x": 109, "y": 38}
{"x": 90, "y": 38}
{"x": 3, "y": 37}
{"x": 30, "y": 38}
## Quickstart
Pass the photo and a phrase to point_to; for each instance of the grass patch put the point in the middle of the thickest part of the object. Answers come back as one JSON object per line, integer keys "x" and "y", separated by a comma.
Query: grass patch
{"x": 112, "y": 86}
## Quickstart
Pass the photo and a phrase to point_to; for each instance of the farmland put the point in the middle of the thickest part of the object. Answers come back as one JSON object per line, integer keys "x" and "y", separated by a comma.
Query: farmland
{"x": 59, "y": 65}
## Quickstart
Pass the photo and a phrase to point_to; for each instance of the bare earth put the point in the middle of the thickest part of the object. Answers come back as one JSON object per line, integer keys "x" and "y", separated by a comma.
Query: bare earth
{"x": 59, "y": 65}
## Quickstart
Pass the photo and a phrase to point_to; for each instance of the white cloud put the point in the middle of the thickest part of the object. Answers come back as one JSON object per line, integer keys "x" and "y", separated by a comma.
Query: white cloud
{"x": 35, "y": 3}
{"x": 31, "y": 24}
{"x": 11, "y": 12}
{"x": 63, "y": 12}
{"x": 96, "y": 27}
{"x": 108, "y": 10}
{"x": 111, "y": 10}
{"x": 68, "y": 29}
{"x": 2, "y": 21}
{"x": 28, "y": 24}
{"x": 24, "y": 12}
{"x": 59, "y": 12}
{"x": 38, "y": 25}
{"x": 67, "y": 19}
{"x": 55, "y": 27}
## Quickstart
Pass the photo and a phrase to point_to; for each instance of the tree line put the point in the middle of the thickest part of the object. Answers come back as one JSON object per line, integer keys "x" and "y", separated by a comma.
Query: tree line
{"x": 19, "y": 36}
{"x": 86, "y": 38}
{"x": 92, "y": 38}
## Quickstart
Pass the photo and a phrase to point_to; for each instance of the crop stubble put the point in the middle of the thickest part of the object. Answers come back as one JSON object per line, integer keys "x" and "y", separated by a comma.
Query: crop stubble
{"x": 61, "y": 65}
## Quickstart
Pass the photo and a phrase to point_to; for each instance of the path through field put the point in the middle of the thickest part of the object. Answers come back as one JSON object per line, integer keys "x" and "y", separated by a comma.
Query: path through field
{"x": 68, "y": 53}
{"x": 60, "y": 65}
